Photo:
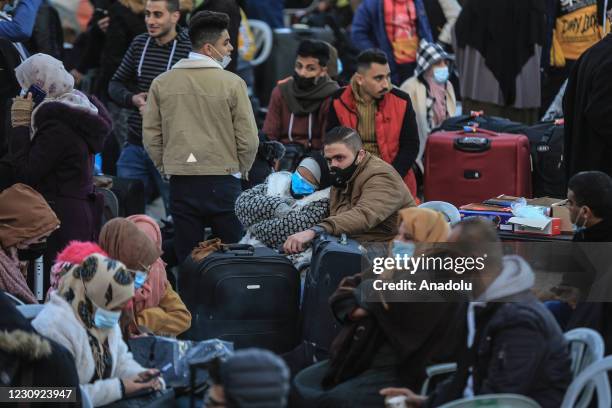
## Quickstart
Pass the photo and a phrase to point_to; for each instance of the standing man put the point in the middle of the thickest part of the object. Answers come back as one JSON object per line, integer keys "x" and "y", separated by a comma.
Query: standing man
{"x": 395, "y": 27}
{"x": 382, "y": 115}
{"x": 588, "y": 111}
{"x": 199, "y": 128}
{"x": 150, "y": 54}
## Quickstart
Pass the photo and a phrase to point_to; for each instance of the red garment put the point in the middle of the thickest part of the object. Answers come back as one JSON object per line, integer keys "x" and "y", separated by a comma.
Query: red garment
{"x": 278, "y": 119}
{"x": 401, "y": 27}
{"x": 391, "y": 125}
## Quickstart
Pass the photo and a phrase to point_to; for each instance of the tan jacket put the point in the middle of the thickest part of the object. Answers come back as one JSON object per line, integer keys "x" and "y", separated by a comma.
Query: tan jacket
{"x": 366, "y": 209}
{"x": 170, "y": 318}
{"x": 198, "y": 121}
{"x": 418, "y": 94}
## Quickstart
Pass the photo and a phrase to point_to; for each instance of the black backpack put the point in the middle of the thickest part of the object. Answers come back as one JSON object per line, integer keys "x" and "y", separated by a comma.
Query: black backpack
{"x": 546, "y": 144}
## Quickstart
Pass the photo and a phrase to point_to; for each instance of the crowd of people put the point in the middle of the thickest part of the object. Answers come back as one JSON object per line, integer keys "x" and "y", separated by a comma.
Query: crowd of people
{"x": 164, "y": 93}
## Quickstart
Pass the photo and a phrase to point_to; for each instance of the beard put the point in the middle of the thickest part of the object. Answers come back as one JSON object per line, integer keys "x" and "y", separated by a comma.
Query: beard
{"x": 163, "y": 32}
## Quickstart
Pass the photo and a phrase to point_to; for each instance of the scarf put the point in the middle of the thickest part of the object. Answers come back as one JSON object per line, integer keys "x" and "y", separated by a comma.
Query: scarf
{"x": 97, "y": 282}
{"x": 436, "y": 100}
{"x": 11, "y": 278}
{"x": 366, "y": 125}
{"x": 424, "y": 225}
{"x": 50, "y": 75}
{"x": 301, "y": 102}
{"x": 24, "y": 215}
{"x": 151, "y": 293}
{"x": 124, "y": 241}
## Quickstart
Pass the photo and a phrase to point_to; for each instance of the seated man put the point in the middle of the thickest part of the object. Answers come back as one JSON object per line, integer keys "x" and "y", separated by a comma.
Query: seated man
{"x": 365, "y": 197}
{"x": 513, "y": 344}
{"x": 285, "y": 203}
{"x": 298, "y": 105}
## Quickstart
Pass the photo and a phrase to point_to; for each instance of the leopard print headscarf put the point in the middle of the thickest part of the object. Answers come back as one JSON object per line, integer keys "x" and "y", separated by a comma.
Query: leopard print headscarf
{"x": 97, "y": 282}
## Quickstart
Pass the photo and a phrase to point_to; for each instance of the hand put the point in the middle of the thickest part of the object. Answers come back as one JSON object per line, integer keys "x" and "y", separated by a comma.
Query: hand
{"x": 413, "y": 400}
{"x": 296, "y": 242}
{"x": 140, "y": 383}
{"x": 103, "y": 24}
{"x": 78, "y": 77}
{"x": 139, "y": 100}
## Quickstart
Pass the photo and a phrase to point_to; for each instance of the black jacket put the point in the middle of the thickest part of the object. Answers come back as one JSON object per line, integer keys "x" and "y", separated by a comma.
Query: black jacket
{"x": 588, "y": 111}
{"x": 24, "y": 362}
{"x": 124, "y": 26}
{"x": 47, "y": 36}
{"x": 518, "y": 348}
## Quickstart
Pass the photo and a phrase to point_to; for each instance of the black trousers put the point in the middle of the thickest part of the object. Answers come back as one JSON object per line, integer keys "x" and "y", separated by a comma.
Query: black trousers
{"x": 197, "y": 202}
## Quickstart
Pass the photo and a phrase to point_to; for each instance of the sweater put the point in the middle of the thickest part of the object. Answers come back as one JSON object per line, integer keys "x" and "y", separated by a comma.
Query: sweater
{"x": 143, "y": 62}
{"x": 58, "y": 322}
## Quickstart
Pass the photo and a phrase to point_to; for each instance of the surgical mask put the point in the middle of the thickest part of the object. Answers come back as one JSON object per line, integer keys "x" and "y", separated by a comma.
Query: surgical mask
{"x": 32, "y": 252}
{"x": 339, "y": 177}
{"x": 106, "y": 319}
{"x": 139, "y": 279}
{"x": 402, "y": 249}
{"x": 225, "y": 60}
{"x": 440, "y": 74}
{"x": 304, "y": 83}
{"x": 300, "y": 186}
{"x": 579, "y": 228}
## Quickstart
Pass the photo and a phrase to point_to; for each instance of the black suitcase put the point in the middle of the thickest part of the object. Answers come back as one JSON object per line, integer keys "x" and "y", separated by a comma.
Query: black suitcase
{"x": 546, "y": 145}
{"x": 281, "y": 62}
{"x": 333, "y": 259}
{"x": 245, "y": 295}
{"x": 492, "y": 123}
{"x": 130, "y": 194}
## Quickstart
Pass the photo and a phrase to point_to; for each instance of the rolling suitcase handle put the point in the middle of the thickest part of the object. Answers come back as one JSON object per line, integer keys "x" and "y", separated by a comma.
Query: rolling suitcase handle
{"x": 239, "y": 249}
{"x": 473, "y": 144}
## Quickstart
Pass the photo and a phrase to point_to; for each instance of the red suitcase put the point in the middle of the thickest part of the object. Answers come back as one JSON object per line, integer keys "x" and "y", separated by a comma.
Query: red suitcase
{"x": 469, "y": 167}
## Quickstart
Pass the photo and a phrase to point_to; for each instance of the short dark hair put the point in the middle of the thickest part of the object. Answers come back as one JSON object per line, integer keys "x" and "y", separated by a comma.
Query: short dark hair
{"x": 593, "y": 189}
{"x": 346, "y": 136}
{"x": 315, "y": 49}
{"x": 171, "y": 5}
{"x": 369, "y": 57}
{"x": 205, "y": 27}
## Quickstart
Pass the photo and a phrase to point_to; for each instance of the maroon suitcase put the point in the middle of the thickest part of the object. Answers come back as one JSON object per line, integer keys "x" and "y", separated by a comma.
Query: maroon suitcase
{"x": 469, "y": 167}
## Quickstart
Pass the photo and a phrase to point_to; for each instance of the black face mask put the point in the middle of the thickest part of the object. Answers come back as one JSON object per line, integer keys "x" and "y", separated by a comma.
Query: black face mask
{"x": 339, "y": 177}
{"x": 305, "y": 84}
{"x": 34, "y": 251}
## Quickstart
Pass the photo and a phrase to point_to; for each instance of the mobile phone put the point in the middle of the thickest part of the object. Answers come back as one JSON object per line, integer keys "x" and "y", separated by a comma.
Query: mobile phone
{"x": 38, "y": 94}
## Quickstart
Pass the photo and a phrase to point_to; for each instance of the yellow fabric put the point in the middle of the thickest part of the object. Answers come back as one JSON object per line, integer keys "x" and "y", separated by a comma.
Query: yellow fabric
{"x": 246, "y": 39}
{"x": 21, "y": 112}
{"x": 366, "y": 125}
{"x": 170, "y": 318}
{"x": 574, "y": 33}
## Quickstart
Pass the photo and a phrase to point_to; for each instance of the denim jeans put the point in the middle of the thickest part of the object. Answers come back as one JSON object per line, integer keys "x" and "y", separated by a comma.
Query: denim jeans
{"x": 134, "y": 163}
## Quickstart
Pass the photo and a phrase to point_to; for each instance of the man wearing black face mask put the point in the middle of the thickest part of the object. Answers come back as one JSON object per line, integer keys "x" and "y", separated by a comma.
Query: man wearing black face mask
{"x": 299, "y": 104}
{"x": 365, "y": 196}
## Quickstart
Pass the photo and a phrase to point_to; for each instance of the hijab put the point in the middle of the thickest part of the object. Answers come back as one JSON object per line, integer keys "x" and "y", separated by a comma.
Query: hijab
{"x": 424, "y": 225}
{"x": 124, "y": 241}
{"x": 24, "y": 216}
{"x": 50, "y": 75}
{"x": 98, "y": 282}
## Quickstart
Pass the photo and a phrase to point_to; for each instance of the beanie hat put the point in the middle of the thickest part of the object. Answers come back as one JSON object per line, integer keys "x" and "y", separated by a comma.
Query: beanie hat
{"x": 313, "y": 167}
{"x": 255, "y": 378}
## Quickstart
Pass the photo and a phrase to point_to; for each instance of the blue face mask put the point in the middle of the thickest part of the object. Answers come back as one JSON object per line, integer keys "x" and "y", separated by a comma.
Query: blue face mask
{"x": 441, "y": 74}
{"x": 139, "y": 279}
{"x": 105, "y": 319}
{"x": 402, "y": 248}
{"x": 299, "y": 185}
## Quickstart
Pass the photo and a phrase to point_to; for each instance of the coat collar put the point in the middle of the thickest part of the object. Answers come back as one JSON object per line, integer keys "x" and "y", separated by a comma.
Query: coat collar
{"x": 196, "y": 63}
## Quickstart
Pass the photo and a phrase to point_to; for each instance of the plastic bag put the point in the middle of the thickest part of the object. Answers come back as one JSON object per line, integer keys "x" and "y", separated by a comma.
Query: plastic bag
{"x": 521, "y": 209}
{"x": 172, "y": 356}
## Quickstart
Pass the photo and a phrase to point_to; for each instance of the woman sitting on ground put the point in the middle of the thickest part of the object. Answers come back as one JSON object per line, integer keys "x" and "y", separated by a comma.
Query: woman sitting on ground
{"x": 83, "y": 316}
{"x": 156, "y": 308}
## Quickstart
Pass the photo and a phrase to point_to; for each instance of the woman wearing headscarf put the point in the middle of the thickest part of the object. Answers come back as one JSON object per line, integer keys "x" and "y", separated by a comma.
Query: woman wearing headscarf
{"x": 83, "y": 315}
{"x": 384, "y": 342}
{"x": 156, "y": 308}
{"x": 26, "y": 220}
{"x": 55, "y": 134}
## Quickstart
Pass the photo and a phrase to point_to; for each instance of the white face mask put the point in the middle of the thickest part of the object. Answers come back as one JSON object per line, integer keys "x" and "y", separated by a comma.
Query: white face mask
{"x": 225, "y": 60}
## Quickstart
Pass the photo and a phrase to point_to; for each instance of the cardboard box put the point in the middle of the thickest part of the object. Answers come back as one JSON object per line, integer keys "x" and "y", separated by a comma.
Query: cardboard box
{"x": 548, "y": 226}
{"x": 557, "y": 210}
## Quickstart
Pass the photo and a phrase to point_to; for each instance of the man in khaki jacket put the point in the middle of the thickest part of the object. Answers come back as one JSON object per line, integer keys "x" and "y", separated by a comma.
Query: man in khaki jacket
{"x": 199, "y": 128}
{"x": 365, "y": 196}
